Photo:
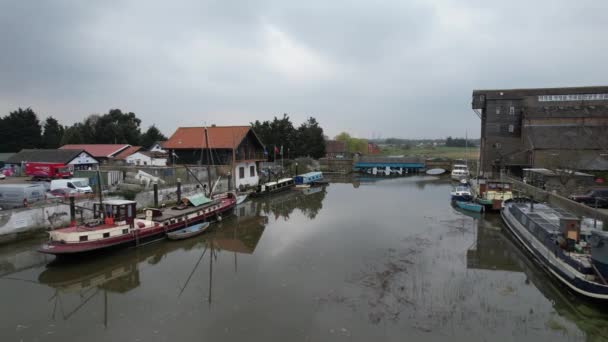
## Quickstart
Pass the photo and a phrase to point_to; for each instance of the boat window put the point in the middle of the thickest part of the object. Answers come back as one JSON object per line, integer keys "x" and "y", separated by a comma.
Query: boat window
{"x": 84, "y": 238}
{"x": 125, "y": 231}
{"x": 106, "y": 235}
{"x": 252, "y": 171}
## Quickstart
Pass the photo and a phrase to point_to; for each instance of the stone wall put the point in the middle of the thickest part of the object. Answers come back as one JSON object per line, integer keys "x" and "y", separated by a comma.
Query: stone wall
{"x": 24, "y": 222}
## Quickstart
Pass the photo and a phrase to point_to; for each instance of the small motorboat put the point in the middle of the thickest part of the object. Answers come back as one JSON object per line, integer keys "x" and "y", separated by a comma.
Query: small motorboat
{"x": 241, "y": 198}
{"x": 462, "y": 193}
{"x": 435, "y": 172}
{"x": 469, "y": 206}
{"x": 188, "y": 232}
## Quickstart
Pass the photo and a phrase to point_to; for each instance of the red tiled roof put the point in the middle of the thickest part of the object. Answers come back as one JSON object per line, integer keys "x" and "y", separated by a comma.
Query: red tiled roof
{"x": 127, "y": 152}
{"x": 219, "y": 137}
{"x": 97, "y": 150}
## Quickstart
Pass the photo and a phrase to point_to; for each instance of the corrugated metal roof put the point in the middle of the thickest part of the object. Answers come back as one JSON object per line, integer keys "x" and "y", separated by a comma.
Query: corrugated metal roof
{"x": 44, "y": 156}
{"x": 219, "y": 137}
{"x": 98, "y": 150}
{"x": 5, "y": 156}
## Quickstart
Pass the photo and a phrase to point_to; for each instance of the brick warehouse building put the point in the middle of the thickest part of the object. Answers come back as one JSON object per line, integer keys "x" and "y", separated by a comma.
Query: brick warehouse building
{"x": 556, "y": 128}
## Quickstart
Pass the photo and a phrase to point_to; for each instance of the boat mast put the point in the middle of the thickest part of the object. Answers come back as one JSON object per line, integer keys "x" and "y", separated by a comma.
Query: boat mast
{"x": 233, "y": 161}
{"x": 101, "y": 209}
{"x": 209, "y": 161}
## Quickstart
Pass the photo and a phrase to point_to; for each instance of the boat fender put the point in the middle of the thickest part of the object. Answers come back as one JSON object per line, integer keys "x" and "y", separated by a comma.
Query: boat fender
{"x": 219, "y": 218}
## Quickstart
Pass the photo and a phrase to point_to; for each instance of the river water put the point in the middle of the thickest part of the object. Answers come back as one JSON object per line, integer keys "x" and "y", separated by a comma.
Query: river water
{"x": 360, "y": 260}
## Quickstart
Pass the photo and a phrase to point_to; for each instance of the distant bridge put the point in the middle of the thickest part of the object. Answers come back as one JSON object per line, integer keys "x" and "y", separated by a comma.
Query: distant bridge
{"x": 389, "y": 165}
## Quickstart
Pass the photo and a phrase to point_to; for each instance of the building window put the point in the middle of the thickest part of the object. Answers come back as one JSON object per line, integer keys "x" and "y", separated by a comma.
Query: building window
{"x": 83, "y": 238}
{"x": 511, "y": 128}
{"x": 511, "y": 110}
{"x": 252, "y": 171}
{"x": 241, "y": 172}
{"x": 497, "y": 110}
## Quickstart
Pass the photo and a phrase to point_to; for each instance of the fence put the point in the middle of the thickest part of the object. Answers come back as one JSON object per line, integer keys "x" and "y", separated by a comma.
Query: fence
{"x": 170, "y": 174}
{"x": 557, "y": 200}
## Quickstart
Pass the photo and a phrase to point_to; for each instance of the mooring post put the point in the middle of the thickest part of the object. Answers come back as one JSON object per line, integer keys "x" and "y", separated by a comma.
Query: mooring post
{"x": 72, "y": 212}
{"x": 155, "y": 195}
{"x": 179, "y": 190}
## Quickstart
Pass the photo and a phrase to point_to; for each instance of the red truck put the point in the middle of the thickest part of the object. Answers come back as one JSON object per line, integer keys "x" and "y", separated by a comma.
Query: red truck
{"x": 47, "y": 170}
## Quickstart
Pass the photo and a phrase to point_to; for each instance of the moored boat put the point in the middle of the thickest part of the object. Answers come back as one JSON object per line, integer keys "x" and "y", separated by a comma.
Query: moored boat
{"x": 188, "y": 232}
{"x": 273, "y": 187}
{"x": 491, "y": 193}
{"x": 241, "y": 198}
{"x": 572, "y": 254}
{"x": 461, "y": 193}
{"x": 308, "y": 178}
{"x": 460, "y": 171}
{"x": 435, "y": 172}
{"x": 469, "y": 206}
{"x": 117, "y": 225}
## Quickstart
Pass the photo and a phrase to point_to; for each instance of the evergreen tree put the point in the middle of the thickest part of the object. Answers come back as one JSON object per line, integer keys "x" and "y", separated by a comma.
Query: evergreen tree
{"x": 20, "y": 129}
{"x": 310, "y": 141}
{"x": 151, "y": 136}
{"x": 53, "y": 133}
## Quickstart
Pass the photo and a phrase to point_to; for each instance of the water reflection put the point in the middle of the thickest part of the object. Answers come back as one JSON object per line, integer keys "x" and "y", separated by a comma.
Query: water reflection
{"x": 360, "y": 259}
{"x": 495, "y": 250}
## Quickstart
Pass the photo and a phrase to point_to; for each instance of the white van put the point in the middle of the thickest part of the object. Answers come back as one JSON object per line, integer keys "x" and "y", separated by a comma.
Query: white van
{"x": 76, "y": 184}
{"x": 20, "y": 195}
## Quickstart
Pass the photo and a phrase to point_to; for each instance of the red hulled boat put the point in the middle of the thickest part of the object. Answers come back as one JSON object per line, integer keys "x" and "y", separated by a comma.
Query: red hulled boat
{"x": 122, "y": 227}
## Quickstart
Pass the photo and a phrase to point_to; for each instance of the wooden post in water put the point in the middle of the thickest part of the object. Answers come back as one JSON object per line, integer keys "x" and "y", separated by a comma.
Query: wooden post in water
{"x": 155, "y": 195}
{"x": 179, "y": 190}
{"x": 72, "y": 212}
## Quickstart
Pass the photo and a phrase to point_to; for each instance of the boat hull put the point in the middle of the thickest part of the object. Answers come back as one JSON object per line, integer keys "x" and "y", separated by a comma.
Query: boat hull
{"x": 469, "y": 206}
{"x": 580, "y": 286}
{"x": 133, "y": 238}
{"x": 270, "y": 192}
{"x": 462, "y": 198}
{"x": 179, "y": 235}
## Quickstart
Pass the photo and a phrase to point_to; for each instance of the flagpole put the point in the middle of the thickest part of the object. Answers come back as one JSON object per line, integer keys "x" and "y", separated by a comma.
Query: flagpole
{"x": 281, "y": 157}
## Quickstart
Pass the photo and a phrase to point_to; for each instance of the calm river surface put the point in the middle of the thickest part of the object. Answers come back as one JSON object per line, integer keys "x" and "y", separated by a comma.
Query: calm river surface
{"x": 388, "y": 260}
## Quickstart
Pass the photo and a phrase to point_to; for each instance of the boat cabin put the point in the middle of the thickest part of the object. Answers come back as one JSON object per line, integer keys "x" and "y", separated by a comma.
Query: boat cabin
{"x": 276, "y": 186}
{"x": 114, "y": 211}
{"x": 308, "y": 178}
{"x": 487, "y": 186}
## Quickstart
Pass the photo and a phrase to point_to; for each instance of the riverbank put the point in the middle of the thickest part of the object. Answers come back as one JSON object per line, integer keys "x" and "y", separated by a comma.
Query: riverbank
{"x": 394, "y": 257}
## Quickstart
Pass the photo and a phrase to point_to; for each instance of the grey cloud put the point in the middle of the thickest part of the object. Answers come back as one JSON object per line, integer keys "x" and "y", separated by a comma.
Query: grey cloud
{"x": 400, "y": 68}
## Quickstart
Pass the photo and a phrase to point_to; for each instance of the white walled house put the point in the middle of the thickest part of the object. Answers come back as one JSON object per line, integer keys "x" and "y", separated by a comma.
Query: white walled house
{"x": 235, "y": 146}
{"x": 157, "y": 147}
{"x": 147, "y": 158}
{"x": 246, "y": 173}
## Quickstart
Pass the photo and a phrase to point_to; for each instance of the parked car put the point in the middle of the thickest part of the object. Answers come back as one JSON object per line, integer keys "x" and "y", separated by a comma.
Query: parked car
{"x": 61, "y": 193}
{"x": 593, "y": 196}
{"x": 20, "y": 195}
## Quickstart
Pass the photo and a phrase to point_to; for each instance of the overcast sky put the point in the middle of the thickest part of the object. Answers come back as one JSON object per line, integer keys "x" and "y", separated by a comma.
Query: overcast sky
{"x": 372, "y": 68}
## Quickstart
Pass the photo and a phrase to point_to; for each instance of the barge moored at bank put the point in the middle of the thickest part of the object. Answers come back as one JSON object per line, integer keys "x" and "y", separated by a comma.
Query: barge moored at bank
{"x": 576, "y": 256}
{"x": 120, "y": 225}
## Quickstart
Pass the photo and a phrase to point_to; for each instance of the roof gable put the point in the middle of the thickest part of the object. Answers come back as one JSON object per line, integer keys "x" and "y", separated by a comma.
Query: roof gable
{"x": 127, "y": 152}
{"x": 225, "y": 137}
{"x": 98, "y": 150}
